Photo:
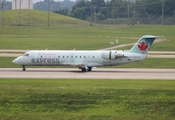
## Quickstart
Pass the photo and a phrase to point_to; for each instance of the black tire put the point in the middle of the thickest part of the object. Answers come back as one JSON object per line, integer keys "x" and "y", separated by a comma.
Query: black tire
{"x": 23, "y": 69}
{"x": 83, "y": 69}
{"x": 89, "y": 69}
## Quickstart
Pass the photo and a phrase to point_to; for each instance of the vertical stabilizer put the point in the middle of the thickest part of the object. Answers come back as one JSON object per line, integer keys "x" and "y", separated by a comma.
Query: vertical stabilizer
{"x": 143, "y": 44}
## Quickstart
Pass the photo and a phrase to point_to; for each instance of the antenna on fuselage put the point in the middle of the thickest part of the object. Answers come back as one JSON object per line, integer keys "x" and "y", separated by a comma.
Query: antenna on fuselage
{"x": 46, "y": 49}
{"x": 74, "y": 49}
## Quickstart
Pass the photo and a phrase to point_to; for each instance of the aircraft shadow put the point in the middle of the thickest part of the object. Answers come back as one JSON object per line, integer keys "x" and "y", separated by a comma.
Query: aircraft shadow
{"x": 79, "y": 71}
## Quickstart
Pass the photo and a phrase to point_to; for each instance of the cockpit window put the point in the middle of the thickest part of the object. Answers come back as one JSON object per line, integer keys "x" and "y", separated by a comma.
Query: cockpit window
{"x": 26, "y": 55}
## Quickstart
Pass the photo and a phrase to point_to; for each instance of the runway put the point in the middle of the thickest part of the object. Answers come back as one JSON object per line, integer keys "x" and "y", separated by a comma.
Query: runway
{"x": 96, "y": 73}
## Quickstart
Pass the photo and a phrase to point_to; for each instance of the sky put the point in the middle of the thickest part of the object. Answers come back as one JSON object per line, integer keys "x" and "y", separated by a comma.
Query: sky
{"x": 34, "y": 1}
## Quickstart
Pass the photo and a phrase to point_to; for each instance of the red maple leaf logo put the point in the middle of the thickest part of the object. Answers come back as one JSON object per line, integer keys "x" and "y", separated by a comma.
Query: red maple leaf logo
{"x": 143, "y": 46}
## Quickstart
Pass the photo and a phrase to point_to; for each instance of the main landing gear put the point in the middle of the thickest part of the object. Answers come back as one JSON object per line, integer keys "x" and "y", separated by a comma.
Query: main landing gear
{"x": 23, "y": 68}
{"x": 84, "y": 69}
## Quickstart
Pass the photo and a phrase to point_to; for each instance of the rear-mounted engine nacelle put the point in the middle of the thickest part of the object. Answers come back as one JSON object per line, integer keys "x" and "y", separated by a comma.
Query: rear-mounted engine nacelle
{"x": 113, "y": 54}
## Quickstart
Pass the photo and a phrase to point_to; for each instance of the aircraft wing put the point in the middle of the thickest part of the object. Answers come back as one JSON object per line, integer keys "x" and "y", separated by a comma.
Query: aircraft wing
{"x": 81, "y": 65}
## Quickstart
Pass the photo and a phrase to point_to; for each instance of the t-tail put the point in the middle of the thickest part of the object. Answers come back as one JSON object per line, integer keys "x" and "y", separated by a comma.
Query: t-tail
{"x": 143, "y": 44}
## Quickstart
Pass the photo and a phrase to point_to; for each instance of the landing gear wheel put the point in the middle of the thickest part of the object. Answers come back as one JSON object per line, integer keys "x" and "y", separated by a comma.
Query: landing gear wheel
{"x": 89, "y": 69}
{"x": 83, "y": 69}
{"x": 23, "y": 68}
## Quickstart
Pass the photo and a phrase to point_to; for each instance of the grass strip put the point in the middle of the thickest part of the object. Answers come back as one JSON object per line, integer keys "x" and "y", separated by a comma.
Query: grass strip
{"x": 88, "y": 39}
{"x": 86, "y": 99}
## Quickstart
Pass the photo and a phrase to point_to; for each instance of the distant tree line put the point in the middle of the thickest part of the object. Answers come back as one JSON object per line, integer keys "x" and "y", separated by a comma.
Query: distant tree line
{"x": 7, "y": 5}
{"x": 113, "y": 9}
{"x": 54, "y": 6}
{"x": 109, "y": 10}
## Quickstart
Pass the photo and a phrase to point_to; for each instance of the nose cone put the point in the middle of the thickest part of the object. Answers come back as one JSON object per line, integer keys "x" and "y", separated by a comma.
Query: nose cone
{"x": 16, "y": 61}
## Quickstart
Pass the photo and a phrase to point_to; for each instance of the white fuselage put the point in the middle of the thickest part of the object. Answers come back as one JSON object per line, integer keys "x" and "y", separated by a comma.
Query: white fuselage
{"x": 75, "y": 58}
{"x": 86, "y": 60}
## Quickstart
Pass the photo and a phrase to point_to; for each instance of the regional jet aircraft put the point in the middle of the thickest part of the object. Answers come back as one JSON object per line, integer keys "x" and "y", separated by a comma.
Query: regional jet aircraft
{"x": 86, "y": 60}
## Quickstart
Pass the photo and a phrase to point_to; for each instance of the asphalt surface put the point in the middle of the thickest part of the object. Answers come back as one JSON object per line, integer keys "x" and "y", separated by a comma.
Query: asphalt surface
{"x": 96, "y": 73}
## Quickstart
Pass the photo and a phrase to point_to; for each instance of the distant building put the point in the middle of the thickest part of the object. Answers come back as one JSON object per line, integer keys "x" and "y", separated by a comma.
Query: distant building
{"x": 22, "y": 4}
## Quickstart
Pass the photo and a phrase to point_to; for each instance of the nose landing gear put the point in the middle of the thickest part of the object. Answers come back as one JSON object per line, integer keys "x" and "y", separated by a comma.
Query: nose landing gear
{"x": 23, "y": 68}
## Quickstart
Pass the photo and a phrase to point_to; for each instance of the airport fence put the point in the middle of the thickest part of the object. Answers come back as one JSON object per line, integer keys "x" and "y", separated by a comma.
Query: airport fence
{"x": 75, "y": 23}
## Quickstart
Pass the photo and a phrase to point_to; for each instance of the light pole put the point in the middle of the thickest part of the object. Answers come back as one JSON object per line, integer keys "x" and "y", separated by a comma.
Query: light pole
{"x": 162, "y": 12}
{"x": 19, "y": 13}
{"x": 128, "y": 14}
{"x": 28, "y": 12}
{"x": 48, "y": 13}
{"x": 1, "y": 5}
{"x": 94, "y": 14}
